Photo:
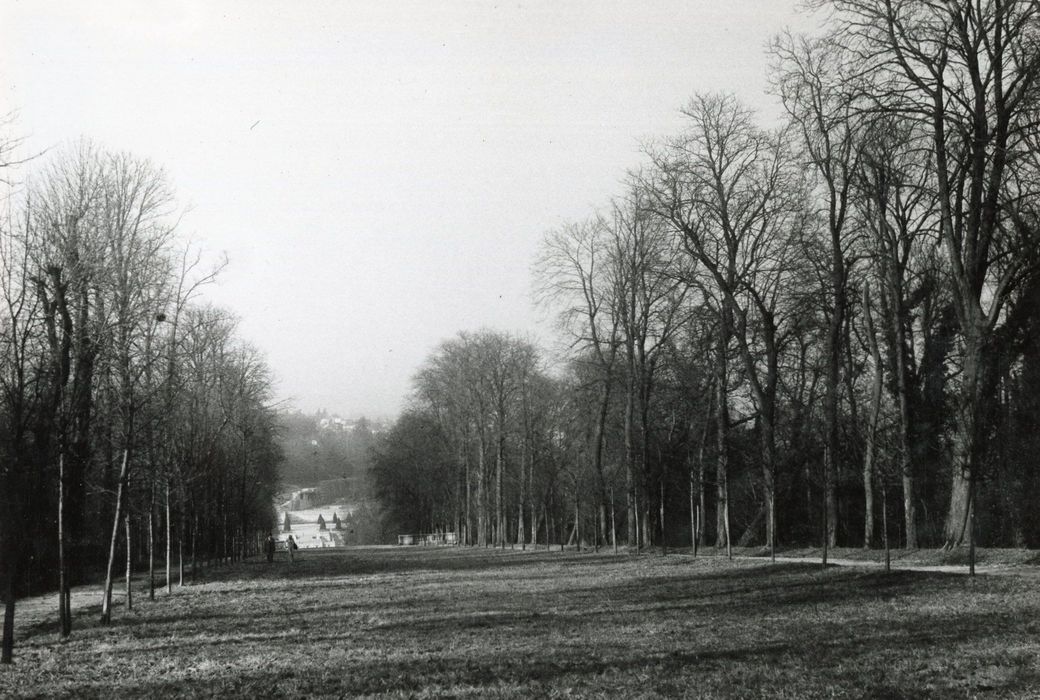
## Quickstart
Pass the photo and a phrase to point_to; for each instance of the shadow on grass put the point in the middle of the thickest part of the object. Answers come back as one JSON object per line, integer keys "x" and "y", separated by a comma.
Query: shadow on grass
{"x": 362, "y": 562}
{"x": 832, "y": 655}
{"x": 525, "y": 624}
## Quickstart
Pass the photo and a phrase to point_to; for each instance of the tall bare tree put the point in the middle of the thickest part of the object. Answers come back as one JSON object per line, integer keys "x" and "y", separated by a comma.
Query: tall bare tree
{"x": 729, "y": 189}
{"x": 810, "y": 77}
{"x": 966, "y": 74}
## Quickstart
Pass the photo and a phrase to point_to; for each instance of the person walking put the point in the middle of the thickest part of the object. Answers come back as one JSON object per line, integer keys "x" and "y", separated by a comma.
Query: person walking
{"x": 290, "y": 545}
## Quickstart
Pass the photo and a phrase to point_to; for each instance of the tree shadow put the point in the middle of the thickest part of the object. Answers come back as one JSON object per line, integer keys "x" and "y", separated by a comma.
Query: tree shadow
{"x": 443, "y": 673}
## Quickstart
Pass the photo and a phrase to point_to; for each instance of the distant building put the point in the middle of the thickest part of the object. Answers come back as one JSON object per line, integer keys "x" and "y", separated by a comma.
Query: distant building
{"x": 335, "y": 424}
{"x": 303, "y": 499}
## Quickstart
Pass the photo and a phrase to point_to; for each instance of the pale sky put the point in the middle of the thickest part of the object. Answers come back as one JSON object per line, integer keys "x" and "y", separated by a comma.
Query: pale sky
{"x": 379, "y": 174}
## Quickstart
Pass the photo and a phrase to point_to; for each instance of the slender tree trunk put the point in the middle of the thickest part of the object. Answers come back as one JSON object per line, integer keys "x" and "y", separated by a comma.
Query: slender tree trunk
{"x": 481, "y": 498}
{"x": 151, "y": 543}
{"x": 525, "y": 491}
{"x": 971, "y": 529}
{"x": 64, "y": 614}
{"x": 693, "y": 517}
{"x": 903, "y": 399}
{"x": 645, "y": 529}
{"x": 577, "y": 520}
{"x": 500, "y": 515}
{"x": 613, "y": 522}
{"x": 698, "y": 526}
{"x": 722, "y": 535}
{"x": 68, "y": 605}
{"x": 182, "y": 528}
{"x": 194, "y": 544}
{"x": 169, "y": 542}
{"x": 469, "y": 493}
{"x": 129, "y": 563}
{"x": 597, "y": 455}
{"x": 869, "y": 456}
{"x": 106, "y": 602}
{"x": 830, "y": 453}
{"x": 664, "y": 549}
{"x": 769, "y": 476}
{"x": 7, "y": 643}
{"x": 644, "y": 449}
{"x": 534, "y": 524}
{"x": 884, "y": 526}
{"x": 630, "y": 462}
{"x": 636, "y": 514}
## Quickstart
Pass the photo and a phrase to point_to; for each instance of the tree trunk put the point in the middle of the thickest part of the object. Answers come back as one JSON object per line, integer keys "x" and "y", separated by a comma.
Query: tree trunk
{"x": 500, "y": 516}
{"x": 64, "y": 614}
{"x": 10, "y": 559}
{"x": 769, "y": 477}
{"x": 194, "y": 544}
{"x": 106, "y": 602}
{"x": 693, "y": 517}
{"x": 630, "y": 461}
{"x": 521, "y": 529}
{"x": 613, "y": 522}
{"x": 831, "y": 442}
{"x": 664, "y": 549}
{"x": 905, "y": 423}
{"x": 869, "y": 455}
{"x": 965, "y": 443}
{"x": 597, "y": 456}
{"x": 884, "y": 526}
{"x": 466, "y": 536}
{"x": 182, "y": 528}
{"x": 151, "y": 544}
{"x": 129, "y": 564}
{"x": 645, "y": 380}
{"x": 577, "y": 520}
{"x": 169, "y": 542}
{"x": 722, "y": 538}
{"x": 481, "y": 497}
{"x": 7, "y": 644}
{"x": 548, "y": 529}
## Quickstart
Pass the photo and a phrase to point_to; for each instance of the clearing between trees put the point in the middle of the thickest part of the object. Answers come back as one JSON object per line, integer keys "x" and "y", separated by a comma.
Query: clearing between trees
{"x": 430, "y": 622}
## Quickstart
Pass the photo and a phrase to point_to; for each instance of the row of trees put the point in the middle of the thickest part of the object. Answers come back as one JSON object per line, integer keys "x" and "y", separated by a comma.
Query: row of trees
{"x": 478, "y": 445}
{"x": 131, "y": 418}
{"x": 821, "y": 332}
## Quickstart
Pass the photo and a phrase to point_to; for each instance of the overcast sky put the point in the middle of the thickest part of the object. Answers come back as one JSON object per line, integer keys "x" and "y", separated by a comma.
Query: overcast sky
{"x": 379, "y": 174}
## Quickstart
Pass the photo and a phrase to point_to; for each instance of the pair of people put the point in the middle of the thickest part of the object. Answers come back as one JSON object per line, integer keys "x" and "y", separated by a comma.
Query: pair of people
{"x": 290, "y": 546}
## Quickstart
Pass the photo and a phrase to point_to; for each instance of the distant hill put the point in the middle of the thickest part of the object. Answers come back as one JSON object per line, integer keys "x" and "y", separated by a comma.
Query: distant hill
{"x": 322, "y": 447}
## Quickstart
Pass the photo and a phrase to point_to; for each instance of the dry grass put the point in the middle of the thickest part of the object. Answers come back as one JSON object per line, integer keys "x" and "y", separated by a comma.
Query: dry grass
{"x": 441, "y": 622}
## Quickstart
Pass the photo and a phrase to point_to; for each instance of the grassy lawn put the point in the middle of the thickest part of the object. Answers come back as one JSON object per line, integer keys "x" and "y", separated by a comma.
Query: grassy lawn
{"x": 433, "y": 622}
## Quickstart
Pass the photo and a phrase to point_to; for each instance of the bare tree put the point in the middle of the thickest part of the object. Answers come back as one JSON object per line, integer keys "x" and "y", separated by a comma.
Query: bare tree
{"x": 966, "y": 74}
{"x": 136, "y": 207}
{"x": 728, "y": 189}
{"x": 576, "y": 275}
{"x": 810, "y": 78}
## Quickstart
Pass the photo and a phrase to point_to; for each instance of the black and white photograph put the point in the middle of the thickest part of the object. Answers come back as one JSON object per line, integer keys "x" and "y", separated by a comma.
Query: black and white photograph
{"x": 527, "y": 349}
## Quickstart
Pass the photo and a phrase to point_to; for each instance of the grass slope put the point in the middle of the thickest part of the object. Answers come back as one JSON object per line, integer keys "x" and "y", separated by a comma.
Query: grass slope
{"x": 434, "y": 622}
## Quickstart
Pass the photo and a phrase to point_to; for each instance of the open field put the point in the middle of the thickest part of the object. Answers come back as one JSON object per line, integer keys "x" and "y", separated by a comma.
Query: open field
{"x": 409, "y": 622}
